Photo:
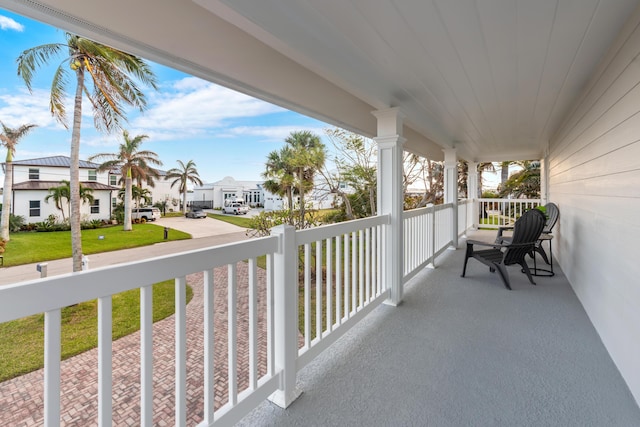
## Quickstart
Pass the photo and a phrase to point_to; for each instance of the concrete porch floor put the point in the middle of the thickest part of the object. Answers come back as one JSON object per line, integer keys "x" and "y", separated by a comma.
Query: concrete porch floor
{"x": 465, "y": 352}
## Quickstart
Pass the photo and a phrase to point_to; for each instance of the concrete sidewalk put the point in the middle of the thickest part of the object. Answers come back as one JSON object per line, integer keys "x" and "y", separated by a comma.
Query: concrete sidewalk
{"x": 21, "y": 273}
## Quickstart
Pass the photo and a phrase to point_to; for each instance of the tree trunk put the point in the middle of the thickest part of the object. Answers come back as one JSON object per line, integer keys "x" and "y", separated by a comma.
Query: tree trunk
{"x": 184, "y": 201}
{"x": 372, "y": 200}
{"x": 6, "y": 196}
{"x": 127, "y": 201}
{"x": 504, "y": 173}
{"x": 74, "y": 178}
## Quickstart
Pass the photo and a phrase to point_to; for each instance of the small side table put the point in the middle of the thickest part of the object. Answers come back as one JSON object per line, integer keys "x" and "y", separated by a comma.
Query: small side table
{"x": 536, "y": 271}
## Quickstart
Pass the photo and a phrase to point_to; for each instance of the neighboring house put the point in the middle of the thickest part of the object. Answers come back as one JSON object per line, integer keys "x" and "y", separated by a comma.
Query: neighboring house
{"x": 213, "y": 195}
{"x": 161, "y": 191}
{"x": 33, "y": 178}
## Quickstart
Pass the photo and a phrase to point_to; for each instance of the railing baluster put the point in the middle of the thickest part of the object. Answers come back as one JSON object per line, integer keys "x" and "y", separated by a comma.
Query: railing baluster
{"x": 329, "y": 303}
{"x": 347, "y": 310}
{"x": 146, "y": 356}
{"x": 270, "y": 318}
{"x": 307, "y": 294}
{"x": 253, "y": 325}
{"x": 339, "y": 256}
{"x": 319, "y": 289}
{"x": 52, "y": 332}
{"x": 209, "y": 347}
{"x": 181, "y": 350}
{"x": 360, "y": 269}
{"x": 232, "y": 331}
{"x": 354, "y": 272}
{"x": 368, "y": 264}
{"x": 105, "y": 339}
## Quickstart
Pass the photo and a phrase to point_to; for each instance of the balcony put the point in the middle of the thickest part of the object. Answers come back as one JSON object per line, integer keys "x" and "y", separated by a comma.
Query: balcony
{"x": 455, "y": 352}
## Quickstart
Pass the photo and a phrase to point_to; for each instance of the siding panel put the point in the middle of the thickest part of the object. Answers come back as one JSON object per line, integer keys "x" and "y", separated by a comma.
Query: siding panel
{"x": 594, "y": 177}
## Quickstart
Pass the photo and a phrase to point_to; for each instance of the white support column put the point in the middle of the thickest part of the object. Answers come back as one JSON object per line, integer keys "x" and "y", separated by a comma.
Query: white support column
{"x": 451, "y": 189}
{"x": 390, "y": 197}
{"x": 544, "y": 180}
{"x": 286, "y": 315}
{"x": 472, "y": 191}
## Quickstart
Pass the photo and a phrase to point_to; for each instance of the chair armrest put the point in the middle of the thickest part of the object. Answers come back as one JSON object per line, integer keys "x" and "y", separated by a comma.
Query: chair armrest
{"x": 503, "y": 229}
{"x": 489, "y": 244}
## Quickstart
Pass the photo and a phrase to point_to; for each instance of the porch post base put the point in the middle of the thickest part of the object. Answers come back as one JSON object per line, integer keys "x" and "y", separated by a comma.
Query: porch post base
{"x": 283, "y": 400}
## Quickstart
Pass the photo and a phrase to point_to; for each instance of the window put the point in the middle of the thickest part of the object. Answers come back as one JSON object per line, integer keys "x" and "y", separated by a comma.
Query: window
{"x": 93, "y": 175}
{"x": 95, "y": 206}
{"x": 34, "y": 207}
{"x": 113, "y": 180}
{"x": 114, "y": 202}
{"x": 34, "y": 174}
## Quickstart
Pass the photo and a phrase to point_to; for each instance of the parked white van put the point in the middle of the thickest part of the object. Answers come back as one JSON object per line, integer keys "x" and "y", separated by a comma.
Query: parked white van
{"x": 148, "y": 214}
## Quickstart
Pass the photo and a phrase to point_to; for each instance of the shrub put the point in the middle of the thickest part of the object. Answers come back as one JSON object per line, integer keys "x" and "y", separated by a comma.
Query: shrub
{"x": 16, "y": 222}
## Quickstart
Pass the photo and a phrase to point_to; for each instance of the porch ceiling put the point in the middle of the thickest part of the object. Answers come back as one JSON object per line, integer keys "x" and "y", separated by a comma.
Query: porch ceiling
{"x": 494, "y": 78}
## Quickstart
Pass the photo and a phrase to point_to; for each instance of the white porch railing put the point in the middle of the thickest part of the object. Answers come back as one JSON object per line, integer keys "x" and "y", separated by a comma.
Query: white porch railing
{"x": 427, "y": 233}
{"x": 465, "y": 216}
{"x": 346, "y": 284}
{"x": 495, "y": 213}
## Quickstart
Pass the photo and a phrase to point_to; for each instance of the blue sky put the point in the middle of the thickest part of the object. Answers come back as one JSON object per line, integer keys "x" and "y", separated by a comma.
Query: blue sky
{"x": 226, "y": 133}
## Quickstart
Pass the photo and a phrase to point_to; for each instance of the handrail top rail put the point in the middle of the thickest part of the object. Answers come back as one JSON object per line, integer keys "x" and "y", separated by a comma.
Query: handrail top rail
{"x": 509, "y": 200}
{"x": 420, "y": 211}
{"x": 40, "y": 295}
{"x": 331, "y": 230}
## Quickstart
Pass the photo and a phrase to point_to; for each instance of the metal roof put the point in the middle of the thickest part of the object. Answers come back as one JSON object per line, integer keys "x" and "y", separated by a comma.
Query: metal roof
{"x": 46, "y": 185}
{"x": 55, "y": 161}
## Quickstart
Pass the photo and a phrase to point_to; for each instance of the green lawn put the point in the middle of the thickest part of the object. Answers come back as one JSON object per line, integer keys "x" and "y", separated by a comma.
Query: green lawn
{"x": 22, "y": 340}
{"x": 240, "y": 221}
{"x": 30, "y": 247}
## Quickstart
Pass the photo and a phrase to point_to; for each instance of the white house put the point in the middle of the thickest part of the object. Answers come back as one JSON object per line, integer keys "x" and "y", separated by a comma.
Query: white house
{"x": 33, "y": 178}
{"x": 161, "y": 191}
{"x": 212, "y": 196}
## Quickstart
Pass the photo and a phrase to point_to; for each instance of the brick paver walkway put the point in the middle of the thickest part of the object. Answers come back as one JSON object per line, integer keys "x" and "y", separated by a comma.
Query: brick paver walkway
{"x": 21, "y": 399}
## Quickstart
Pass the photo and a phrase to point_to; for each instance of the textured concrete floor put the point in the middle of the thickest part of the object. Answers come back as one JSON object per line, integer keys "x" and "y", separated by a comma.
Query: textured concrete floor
{"x": 465, "y": 352}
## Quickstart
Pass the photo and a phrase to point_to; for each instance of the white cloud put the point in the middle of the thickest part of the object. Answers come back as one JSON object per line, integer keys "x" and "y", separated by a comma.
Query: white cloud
{"x": 269, "y": 133}
{"x": 194, "y": 106}
{"x": 10, "y": 24}
{"x": 22, "y": 107}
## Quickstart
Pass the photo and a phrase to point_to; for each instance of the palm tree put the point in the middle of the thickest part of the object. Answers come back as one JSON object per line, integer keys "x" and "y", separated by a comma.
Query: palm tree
{"x": 279, "y": 175}
{"x": 9, "y": 138}
{"x": 182, "y": 175}
{"x": 112, "y": 76}
{"x": 137, "y": 194}
{"x": 309, "y": 155}
{"x": 60, "y": 193}
{"x": 130, "y": 161}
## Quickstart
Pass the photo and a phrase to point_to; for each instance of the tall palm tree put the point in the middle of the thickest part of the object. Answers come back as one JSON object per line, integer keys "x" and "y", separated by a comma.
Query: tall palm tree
{"x": 182, "y": 175}
{"x": 63, "y": 192}
{"x": 130, "y": 161}
{"x": 309, "y": 154}
{"x": 9, "y": 138}
{"x": 113, "y": 76}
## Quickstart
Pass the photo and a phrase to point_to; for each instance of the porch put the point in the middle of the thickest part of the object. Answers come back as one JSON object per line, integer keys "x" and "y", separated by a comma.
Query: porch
{"x": 465, "y": 351}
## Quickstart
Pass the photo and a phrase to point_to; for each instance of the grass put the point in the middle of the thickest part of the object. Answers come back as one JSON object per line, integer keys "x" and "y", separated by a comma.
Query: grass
{"x": 22, "y": 340}
{"x": 30, "y": 247}
{"x": 240, "y": 221}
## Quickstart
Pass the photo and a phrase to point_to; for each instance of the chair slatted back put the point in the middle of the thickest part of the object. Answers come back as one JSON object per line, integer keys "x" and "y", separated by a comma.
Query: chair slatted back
{"x": 527, "y": 229}
{"x": 552, "y": 217}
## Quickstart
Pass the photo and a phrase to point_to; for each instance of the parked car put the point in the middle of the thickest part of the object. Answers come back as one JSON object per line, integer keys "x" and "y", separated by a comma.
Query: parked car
{"x": 196, "y": 213}
{"x": 147, "y": 214}
{"x": 236, "y": 208}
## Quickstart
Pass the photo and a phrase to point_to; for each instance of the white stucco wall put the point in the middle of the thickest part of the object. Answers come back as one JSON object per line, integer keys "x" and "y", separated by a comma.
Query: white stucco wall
{"x": 594, "y": 177}
{"x": 21, "y": 206}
